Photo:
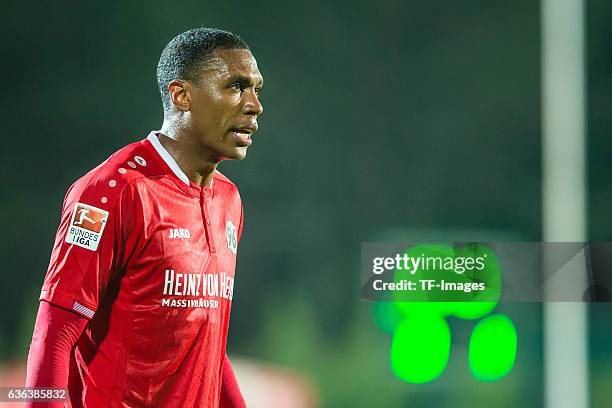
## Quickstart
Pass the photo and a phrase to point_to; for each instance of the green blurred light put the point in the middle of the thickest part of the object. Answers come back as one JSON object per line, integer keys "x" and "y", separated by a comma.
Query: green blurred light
{"x": 420, "y": 348}
{"x": 491, "y": 274}
{"x": 424, "y": 302}
{"x": 493, "y": 345}
{"x": 386, "y": 316}
{"x": 473, "y": 310}
{"x": 418, "y": 308}
{"x": 465, "y": 305}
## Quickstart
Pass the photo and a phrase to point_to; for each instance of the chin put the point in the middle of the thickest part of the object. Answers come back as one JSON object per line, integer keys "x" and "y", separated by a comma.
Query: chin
{"x": 241, "y": 155}
{"x": 236, "y": 154}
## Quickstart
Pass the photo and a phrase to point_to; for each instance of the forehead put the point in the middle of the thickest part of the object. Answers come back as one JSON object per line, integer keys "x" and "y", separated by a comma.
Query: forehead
{"x": 232, "y": 63}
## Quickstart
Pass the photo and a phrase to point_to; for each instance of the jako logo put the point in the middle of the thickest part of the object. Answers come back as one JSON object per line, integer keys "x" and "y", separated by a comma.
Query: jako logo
{"x": 179, "y": 233}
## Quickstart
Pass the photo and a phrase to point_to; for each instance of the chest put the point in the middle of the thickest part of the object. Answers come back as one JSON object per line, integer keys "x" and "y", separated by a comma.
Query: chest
{"x": 186, "y": 248}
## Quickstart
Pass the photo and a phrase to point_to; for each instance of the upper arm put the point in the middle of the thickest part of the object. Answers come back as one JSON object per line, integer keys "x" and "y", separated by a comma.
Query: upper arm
{"x": 89, "y": 248}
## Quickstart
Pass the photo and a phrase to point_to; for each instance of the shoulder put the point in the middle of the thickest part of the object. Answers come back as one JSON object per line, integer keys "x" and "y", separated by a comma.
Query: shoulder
{"x": 226, "y": 188}
{"x": 219, "y": 177}
{"x": 104, "y": 185}
{"x": 223, "y": 183}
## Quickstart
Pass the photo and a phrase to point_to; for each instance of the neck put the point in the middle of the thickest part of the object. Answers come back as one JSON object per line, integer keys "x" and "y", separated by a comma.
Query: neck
{"x": 186, "y": 155}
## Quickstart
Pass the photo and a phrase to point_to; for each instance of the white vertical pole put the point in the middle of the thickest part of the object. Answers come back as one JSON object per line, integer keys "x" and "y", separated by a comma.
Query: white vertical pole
{"x": 564, "y": 193}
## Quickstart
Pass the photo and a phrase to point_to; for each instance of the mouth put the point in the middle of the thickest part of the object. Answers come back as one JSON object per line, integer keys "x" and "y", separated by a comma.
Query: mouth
{"x": 242, "y": 135}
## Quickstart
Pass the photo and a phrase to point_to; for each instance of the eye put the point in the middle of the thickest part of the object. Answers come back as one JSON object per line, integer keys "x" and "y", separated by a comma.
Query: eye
{"x": 258, "y": 90}
{"x": 236, "y": 86}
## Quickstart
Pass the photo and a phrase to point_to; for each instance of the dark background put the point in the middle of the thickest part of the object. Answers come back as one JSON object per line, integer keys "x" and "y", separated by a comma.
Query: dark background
{"x": 384, "y": 118}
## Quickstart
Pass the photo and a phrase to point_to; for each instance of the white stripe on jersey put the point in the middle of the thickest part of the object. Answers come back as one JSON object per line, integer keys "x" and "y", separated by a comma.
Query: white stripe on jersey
{"x": 83, "y": 310}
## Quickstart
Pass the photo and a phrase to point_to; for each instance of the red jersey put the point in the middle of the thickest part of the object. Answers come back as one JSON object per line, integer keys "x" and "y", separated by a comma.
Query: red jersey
{"x": 149, "y": 258}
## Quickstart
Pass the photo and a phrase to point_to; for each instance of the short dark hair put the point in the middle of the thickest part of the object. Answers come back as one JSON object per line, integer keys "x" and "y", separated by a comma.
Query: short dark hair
{"x": 188, "y": 53}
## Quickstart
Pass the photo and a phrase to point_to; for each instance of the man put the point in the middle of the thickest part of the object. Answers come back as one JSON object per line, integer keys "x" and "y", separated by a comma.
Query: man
{"x": 135, "y": 305}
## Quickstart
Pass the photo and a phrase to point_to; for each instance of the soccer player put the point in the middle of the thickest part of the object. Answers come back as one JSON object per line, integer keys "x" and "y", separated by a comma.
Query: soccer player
{"x": 136, "y": 302}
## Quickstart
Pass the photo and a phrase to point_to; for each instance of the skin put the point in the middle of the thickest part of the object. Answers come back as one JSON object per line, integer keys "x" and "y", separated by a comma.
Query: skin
{"x": 199, "y": 131}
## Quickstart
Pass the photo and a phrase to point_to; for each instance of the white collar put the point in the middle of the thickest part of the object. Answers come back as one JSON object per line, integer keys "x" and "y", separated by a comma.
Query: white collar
{"x": 167, "y": 157}
{"x": 163, "y": 153}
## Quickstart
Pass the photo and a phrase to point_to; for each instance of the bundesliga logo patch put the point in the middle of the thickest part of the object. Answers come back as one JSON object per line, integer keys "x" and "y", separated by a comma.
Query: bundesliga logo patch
{"x": 86, "y": 226}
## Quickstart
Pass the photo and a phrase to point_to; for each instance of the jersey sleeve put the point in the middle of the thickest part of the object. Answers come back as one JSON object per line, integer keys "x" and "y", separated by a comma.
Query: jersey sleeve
{"x": 89, "y": 247}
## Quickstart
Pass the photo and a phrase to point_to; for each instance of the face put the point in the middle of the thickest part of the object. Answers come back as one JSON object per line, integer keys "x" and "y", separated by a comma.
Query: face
{"x": 223, "y": 105}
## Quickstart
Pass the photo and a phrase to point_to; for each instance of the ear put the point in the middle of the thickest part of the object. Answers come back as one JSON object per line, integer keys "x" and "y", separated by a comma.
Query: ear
{"x": 179, "y": 94}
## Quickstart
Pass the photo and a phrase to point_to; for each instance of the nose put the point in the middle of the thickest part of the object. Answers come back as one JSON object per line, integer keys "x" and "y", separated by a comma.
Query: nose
{"x": 252, "y": 105}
